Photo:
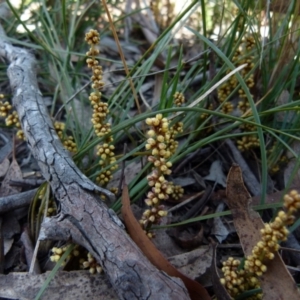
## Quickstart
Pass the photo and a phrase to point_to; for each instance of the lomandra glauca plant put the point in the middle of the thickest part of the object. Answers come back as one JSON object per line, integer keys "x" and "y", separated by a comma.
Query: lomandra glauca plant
{"x": 239, "y": 279}
{"x": 100, "y": 112}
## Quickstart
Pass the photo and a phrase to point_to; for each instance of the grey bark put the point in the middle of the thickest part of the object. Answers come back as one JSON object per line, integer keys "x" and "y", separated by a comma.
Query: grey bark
{"x": 83, "y": 218}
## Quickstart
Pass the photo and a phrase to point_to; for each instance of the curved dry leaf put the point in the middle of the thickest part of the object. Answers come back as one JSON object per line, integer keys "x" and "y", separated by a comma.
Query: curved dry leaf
{"x": 276, "y": 283}
{"x": 195, "y": 289}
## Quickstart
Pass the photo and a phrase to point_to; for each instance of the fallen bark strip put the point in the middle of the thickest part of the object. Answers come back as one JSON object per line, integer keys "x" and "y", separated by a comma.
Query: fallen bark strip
{"x": 82, "y": 217}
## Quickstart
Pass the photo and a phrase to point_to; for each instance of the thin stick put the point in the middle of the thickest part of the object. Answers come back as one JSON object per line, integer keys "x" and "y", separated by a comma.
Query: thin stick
{"x": 210, "y": 90}
{"x": 122, "y": 56}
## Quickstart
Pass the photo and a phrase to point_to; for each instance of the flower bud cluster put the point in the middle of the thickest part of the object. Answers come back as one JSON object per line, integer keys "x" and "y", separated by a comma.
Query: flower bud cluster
{"x": 69, "y": 144}
{"x": 12, "y": 119}
{"x": 179, "y": 99}
{"x": 248, "y": 142}
{"x": 57, "y": 253}
{"x": 238, "y": 280}
{"x": 100, "y": 112}
{"x": 59, "y": 128}
{"x": 5, "y": 107}
{"x": 161, "y": 144}
{"x": 20, "y": 135}
{"x": 227, "y": 108}
{"x": 67, "y": 140}
{"x": 177, "y": 191}
{"x": 91, "y": 263}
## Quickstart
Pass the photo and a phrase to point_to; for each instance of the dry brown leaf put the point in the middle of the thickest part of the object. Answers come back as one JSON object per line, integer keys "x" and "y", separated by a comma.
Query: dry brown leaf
{"x": 194, "y": 263}
{"x": 196, "y": 290}
{"x": 277, "y": 282}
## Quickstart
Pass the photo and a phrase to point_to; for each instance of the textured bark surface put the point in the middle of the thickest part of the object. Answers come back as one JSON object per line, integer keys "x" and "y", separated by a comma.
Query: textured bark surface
{"x": 82, "y": 218}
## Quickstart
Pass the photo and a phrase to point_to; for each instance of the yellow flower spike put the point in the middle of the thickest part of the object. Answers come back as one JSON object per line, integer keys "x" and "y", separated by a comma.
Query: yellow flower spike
{"x": 161, "y": 143}
{"x": 100, "y": 110}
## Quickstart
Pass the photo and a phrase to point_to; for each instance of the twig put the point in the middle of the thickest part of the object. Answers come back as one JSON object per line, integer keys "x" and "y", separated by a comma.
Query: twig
{"x": 16, "y": 201}
{"x": 194, "y": 103}
{"x": 113, "y": 29}
{"x": 25, "y": 239}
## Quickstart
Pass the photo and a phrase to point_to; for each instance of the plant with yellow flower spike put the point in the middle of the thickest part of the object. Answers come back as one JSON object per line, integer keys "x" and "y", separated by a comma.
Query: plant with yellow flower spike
{"x": 162, "y": 145}
{"x": 100, "y": 112}
{"x": 237, "y": 280}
